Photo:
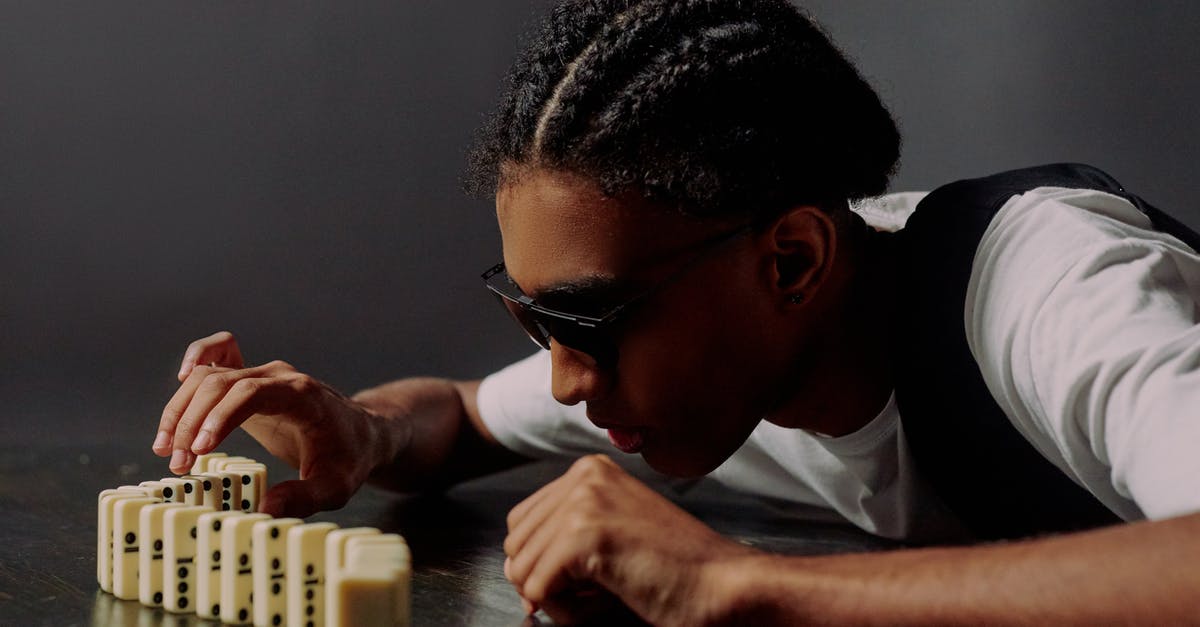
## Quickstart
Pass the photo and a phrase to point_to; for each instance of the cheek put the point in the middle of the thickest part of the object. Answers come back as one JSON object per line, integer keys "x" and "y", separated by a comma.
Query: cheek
{"x": 696, "y": 372}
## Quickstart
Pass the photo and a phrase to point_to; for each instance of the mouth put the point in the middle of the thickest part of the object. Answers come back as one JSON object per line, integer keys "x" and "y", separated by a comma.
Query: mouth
{"x": 625, "y": 437}
{"x": 627, "y": 440}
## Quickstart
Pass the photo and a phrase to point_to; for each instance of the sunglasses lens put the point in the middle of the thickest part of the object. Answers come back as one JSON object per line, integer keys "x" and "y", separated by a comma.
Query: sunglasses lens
{"x": 581, "y": 338}
{"x": 528, "y": 321}
{"x": 542, "y": 326}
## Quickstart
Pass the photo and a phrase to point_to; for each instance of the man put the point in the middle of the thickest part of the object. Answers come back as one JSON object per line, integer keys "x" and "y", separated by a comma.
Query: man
{"x": 673, "y": 185}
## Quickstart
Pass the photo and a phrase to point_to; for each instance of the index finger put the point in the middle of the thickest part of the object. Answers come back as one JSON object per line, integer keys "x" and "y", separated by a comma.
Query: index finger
{"x": 219, "y": 349}
{"x": 173, "y": 412}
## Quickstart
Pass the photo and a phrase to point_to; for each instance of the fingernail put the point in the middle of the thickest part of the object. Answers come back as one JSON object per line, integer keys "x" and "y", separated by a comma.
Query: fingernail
{"x": 201, "y": 442}
{"x": 527, "y": 605}
{"x": 178, "y": 458}
{"x": 160, "y": 440}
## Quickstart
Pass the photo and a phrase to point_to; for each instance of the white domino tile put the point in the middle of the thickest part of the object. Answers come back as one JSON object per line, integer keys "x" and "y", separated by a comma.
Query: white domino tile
{"x": 335, "y": 558}
{"x": 335, "y": 545}
{"x": 305, "y": 574}
{"x": 159, "y": 489}
{"x": 150, "y": 553}
{"x": 374, "y": 596}
{"x": 208, "y": 563}
{"x": 268, "y": 557}
{"x": 388, "y": 552}
{"x": 237, "y": 585}
{"x": 388, "y": 549}
{"x": 231, "y": 490}
{"x": 219, "y": 464}
{"x": 210, "y": 490}
{"x": 254, "y": 483}
{"x": 125, "y": 545}
{"x": 200, "y": 466}
{"x": 104, "y": 537}
{"x": 253, "y": 477}
{"x": 180, "y": 533}
{"x": 187, "y": 490}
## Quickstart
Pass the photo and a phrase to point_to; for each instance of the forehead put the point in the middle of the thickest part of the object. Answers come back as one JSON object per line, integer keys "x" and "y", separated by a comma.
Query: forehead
{"x": 558, "y": 227}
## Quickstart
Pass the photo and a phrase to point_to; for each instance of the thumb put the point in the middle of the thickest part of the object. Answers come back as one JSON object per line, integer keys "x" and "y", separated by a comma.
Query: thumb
{"x": 301, "y": 498}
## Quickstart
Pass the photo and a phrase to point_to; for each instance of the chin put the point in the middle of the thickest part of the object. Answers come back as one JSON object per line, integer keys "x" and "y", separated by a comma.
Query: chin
{"x": 680, "y": 464}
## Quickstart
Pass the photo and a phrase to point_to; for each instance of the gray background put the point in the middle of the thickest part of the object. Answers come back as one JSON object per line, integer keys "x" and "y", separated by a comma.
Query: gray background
{"x": 290, "y": 171}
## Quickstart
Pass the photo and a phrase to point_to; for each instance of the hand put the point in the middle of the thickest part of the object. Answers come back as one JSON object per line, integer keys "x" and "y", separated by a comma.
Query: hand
{"x": 598, "y": 526}
{"x": 295, "y": 417}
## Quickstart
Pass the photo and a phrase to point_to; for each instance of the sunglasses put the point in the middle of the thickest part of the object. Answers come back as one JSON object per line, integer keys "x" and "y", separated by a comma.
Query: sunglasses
{"x": 594, "y": 333}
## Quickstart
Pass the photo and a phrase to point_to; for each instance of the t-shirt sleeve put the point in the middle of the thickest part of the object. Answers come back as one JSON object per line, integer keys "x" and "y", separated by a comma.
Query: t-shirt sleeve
{"x": 1084, "y": 322}
{"x": 518, "y": 409}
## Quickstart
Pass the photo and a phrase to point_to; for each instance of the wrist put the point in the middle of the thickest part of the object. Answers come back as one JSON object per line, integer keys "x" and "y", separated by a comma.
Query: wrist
{"x": 388, "y": 436}
{"x": 764, "y": 589}
{"x": 732, "y": 587}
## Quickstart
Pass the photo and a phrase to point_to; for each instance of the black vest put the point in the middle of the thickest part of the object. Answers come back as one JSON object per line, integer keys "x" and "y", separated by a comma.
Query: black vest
{"x": 962, "y": 443}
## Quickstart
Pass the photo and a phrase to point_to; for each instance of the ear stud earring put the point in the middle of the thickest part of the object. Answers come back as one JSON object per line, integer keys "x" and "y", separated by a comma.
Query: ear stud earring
{"x": 796, "y": 299}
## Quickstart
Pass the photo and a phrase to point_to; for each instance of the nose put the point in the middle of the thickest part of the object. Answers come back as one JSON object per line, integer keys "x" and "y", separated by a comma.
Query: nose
{"x": 576, "y": 376}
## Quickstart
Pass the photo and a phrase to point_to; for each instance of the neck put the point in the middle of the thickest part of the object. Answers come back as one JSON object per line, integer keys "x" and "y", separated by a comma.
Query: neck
{"x": 845, "y": 375}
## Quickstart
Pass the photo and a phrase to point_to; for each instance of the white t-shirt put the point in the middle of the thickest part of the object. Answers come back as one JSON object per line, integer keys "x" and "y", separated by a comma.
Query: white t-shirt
{"x": 1084, "y": 323}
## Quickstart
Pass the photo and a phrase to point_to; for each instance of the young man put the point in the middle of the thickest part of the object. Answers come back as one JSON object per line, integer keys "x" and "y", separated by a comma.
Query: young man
{"x": 673, "y": 184}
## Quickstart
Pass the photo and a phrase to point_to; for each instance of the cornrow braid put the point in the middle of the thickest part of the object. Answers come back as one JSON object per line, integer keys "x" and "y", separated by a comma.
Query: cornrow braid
{"x": 716, "y": 107}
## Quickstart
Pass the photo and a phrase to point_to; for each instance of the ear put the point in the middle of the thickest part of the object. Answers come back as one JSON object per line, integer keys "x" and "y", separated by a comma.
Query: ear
{"x": 803, "y": 242}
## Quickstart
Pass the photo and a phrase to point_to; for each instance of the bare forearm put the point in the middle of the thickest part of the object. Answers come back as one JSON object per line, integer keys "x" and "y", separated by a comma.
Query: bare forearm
{"x": 1141, "y": 573}
{"x": 431, "y": 434}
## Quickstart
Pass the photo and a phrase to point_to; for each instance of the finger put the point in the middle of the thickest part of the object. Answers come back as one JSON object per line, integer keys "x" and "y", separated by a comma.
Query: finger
{"x": 207, "y": 386}
{"x": 568, "y": 525}
{"x": 557, "y": 568}
{"x": 173, "y": 412}
{"x": 220, "y": 349}
{"x": 523, "y": 560}
{"x": 301, "y": 498}
{"x": 529, "y": 515}
{"x": 213, "y": 387}
{"x": 245, "y": 398}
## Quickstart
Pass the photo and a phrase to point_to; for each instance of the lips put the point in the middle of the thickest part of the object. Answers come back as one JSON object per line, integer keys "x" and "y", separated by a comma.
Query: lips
{"x": 627, "y": 440}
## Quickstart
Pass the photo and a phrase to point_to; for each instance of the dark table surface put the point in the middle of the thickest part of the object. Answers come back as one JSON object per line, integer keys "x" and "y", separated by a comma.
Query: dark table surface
{"x": 48, "y": 516}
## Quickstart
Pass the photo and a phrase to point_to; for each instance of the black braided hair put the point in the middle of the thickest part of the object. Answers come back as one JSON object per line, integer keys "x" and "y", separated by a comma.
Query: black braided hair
{"x": 716, "y": 107}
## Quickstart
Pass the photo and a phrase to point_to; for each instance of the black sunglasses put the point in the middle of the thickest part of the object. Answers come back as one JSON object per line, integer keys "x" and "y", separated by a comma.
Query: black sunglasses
{"x": 591, "y": 334}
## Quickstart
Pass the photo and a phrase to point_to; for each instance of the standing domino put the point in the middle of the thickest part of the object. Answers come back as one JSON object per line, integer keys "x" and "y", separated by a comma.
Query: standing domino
{"x": 216, "y": 463}
{"x": 208, "y": 563}
{"x": 268, "y": 557}
{"x": 335, "y": 546}
{"x": 210, "y": 490}
{"x": 231, "y": 490}
{"x": 305, "y": 571}
{"x": 383, "y": 541}
{"x": 179, "y": 557}
{"x": 253, "y": 478}
{"x": 150, "y": 553}
{"x": 104, "y": 537}
{"x": 254, "y": 483}
{"x": 388, "y": 552}
{"x": 125, "y": 545}
{"x": 237, "y": 585}
{"x": 200, "y": 466}
{"x": 369, "y": 596}
{"x": 335, "y": 554}
{"x": 164, "y": 491}
{"x": 187, "y": 490}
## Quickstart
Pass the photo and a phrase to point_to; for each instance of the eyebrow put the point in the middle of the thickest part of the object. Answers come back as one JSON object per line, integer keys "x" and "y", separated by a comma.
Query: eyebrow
{"x": 582, "y": 292}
